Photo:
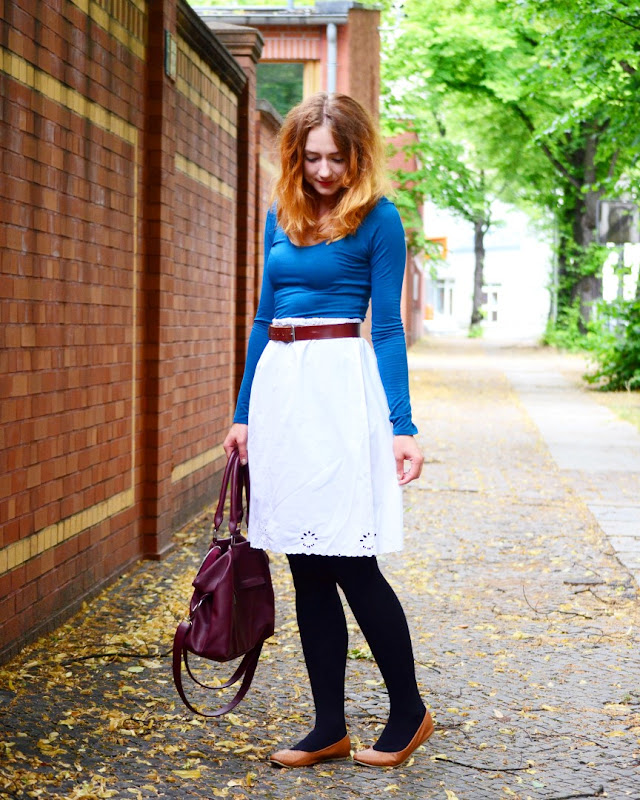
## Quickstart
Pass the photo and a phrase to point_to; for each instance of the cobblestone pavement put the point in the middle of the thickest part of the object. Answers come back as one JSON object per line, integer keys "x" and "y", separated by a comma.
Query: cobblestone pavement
{"x": 525, "y": 628}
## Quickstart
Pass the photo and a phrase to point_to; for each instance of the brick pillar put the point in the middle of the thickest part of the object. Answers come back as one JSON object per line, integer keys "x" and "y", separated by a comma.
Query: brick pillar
{"x": 157, "y": 290}
{"x": 245, "y": 44}
{"x": 363, "y": 57}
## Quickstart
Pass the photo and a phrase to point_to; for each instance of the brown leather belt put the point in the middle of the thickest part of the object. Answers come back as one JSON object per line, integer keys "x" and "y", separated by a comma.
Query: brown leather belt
{"x": 294, "y": 333}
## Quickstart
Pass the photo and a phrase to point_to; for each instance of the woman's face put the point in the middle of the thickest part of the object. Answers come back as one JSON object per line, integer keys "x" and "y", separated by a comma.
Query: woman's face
{"x": 324, "y": 165}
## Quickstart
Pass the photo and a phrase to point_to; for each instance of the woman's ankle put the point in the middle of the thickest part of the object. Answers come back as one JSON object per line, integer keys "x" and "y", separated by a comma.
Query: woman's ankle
{"x": 399, "y": 731}
{"x": 321, "y": 737}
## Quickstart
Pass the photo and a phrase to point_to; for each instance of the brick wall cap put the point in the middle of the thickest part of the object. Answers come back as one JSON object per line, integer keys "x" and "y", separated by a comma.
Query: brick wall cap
{"x": 262, "y": 20}
{"x": 270, "y": 17}
{"x": 209, "y": 47}
{"x": 238, "y": 38}
{"x": 342, "y": 6}
{"x": 267, "y": 110}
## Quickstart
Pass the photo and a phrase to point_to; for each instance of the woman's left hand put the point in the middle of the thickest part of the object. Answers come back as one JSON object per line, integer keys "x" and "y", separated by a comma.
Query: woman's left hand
{"x": 405, "y": 448}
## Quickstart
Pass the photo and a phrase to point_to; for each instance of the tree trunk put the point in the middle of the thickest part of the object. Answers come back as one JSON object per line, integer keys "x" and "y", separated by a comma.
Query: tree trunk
{"x": 479, "y": 230}
{"x": 579, "y": 268}
{"x": 588, "y": 287}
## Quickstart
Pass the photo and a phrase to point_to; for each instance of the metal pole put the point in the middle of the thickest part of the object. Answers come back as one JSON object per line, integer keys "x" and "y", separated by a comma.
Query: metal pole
{"x": 332, "y": 57}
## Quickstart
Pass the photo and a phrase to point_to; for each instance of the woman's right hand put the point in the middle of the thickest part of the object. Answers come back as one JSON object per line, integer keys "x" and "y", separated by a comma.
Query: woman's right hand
{"x": 236, "y": 439}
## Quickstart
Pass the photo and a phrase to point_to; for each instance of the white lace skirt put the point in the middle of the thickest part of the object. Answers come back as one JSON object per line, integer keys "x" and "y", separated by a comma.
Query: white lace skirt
{"x": 323, "y": 476}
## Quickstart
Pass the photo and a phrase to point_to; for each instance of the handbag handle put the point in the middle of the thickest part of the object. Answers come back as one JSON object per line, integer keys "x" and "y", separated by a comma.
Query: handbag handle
{"x": 236, "y": 512}
{"x": 245, "y": 670}
{"x": 244, "y": 474}
{"x": 235, "y": 478}
{"x": 239, "y": 482}
{"x": 218, "y": 516}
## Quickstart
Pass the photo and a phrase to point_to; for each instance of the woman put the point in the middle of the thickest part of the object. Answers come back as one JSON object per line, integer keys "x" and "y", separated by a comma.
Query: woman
{"x": 314, "y": 412}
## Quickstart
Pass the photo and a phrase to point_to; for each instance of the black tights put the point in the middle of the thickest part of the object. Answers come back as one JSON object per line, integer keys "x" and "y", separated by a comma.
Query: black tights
{"x": 323, "y": 632}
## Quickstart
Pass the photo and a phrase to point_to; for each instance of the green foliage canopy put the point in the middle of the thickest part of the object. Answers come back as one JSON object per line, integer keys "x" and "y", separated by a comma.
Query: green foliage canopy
{"x": 544, "y": 94}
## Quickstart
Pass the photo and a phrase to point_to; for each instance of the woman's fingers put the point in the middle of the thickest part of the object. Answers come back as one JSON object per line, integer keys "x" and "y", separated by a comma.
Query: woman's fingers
{"x": 411, "y": 474}
{"x": 406, "y": 450}
{"x": 236, "y": 439}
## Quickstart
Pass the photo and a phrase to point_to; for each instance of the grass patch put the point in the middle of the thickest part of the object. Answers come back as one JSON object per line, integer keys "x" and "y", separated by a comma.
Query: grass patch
{"x": 625, "y": 405}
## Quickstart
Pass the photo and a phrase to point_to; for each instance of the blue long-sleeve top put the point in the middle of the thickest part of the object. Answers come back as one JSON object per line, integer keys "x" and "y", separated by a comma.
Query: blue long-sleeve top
{"x": 337, "y": 279}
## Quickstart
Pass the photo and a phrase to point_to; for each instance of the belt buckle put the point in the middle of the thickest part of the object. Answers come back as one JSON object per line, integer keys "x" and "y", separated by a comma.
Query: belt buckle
{"x": 293, "y": 333}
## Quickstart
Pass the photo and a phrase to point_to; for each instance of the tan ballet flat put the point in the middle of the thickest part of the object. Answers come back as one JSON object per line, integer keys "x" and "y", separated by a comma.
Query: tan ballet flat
{"x": 376, "y": 758}
{"x": 302, "y": 758}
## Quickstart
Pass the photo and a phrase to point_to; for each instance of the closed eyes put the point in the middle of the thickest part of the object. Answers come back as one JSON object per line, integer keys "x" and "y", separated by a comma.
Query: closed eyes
{"x": 313, "y": 158}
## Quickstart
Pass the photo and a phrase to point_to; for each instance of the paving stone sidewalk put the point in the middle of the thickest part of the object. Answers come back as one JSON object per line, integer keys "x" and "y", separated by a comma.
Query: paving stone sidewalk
{"x": 525, "y": 627}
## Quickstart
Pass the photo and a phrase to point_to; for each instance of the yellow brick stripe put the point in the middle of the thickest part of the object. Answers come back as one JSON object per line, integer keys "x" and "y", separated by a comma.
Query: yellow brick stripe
{"x": 24, "y": 72}
{"x": 16, "y": 554}
{"x": 100, "y": 14}
{"x": 201, "y": 175}
{"x": 20, "y": 70}
{"x": 198, "y": 89}
{"x": 196, "y": 463}
{"x": 269, "y": 167}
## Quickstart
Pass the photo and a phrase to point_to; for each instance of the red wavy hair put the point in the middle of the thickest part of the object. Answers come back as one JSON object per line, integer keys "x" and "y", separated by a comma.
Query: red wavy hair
{"x": 364, "y": 181}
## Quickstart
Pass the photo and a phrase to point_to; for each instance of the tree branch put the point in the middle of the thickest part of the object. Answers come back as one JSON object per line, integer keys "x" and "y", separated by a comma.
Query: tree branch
{"x": 598, "y": 793}
{"x": 123, "y": 654}
{"x": 545, "y": 148}
{"x": 439, "y": 125}
{"x": 531, "y": 128}
{"x": 623, "y": 21}
{"x": 612, "y": 165}
{"x": 482, "y": 769}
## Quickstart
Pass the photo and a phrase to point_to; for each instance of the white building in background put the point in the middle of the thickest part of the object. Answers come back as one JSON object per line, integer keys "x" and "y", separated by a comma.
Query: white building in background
{"x": 517, "y": 276}
{"x": 621, "y": 272}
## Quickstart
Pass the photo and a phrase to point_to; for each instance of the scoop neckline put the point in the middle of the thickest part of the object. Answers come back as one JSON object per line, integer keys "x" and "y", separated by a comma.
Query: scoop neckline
{"x": 307, "y": 246}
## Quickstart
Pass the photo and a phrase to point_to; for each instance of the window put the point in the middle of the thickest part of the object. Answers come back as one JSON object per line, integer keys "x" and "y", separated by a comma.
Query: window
{"x": 281, "y": 84}
{"x": 444, "y": 297}
{"x": 491, "y": 301}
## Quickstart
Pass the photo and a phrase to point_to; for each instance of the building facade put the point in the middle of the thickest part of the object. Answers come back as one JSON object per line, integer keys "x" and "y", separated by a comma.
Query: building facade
{"x": 336, "y": 45}
{"x": 517, "y": 276}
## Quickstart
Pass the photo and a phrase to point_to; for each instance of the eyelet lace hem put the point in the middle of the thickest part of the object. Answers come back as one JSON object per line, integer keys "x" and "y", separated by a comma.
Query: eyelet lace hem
{"x": 307, "y": 541}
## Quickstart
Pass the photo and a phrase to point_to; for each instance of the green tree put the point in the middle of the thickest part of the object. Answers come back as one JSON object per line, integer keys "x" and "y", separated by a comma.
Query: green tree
{"x": 447, "y": 176}
{"x": 280, "y": 84}
{"x": 468, "y": 156}
{"x": 559, "y": 90}
{"x": 591, "y": 50}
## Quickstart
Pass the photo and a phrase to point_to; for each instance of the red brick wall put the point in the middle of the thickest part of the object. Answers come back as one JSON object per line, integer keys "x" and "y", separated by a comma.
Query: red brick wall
{"x": 246, "y": 46}
{"x": 413, "y": 289}
{"x": 205, "y": 207}
{"x": 268, "y": 123}
{"x": 117, "y": 272}
{"x": 71, "y": 178}
{"x": 413, "y": 300}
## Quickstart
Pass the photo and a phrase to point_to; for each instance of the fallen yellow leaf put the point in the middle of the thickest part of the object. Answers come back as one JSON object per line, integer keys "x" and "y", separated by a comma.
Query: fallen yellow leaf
{"x": 187, "y": 773}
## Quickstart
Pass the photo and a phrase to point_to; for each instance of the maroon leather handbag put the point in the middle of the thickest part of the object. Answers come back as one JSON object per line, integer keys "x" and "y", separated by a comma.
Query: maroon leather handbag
{"x": 232, "y": 607}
